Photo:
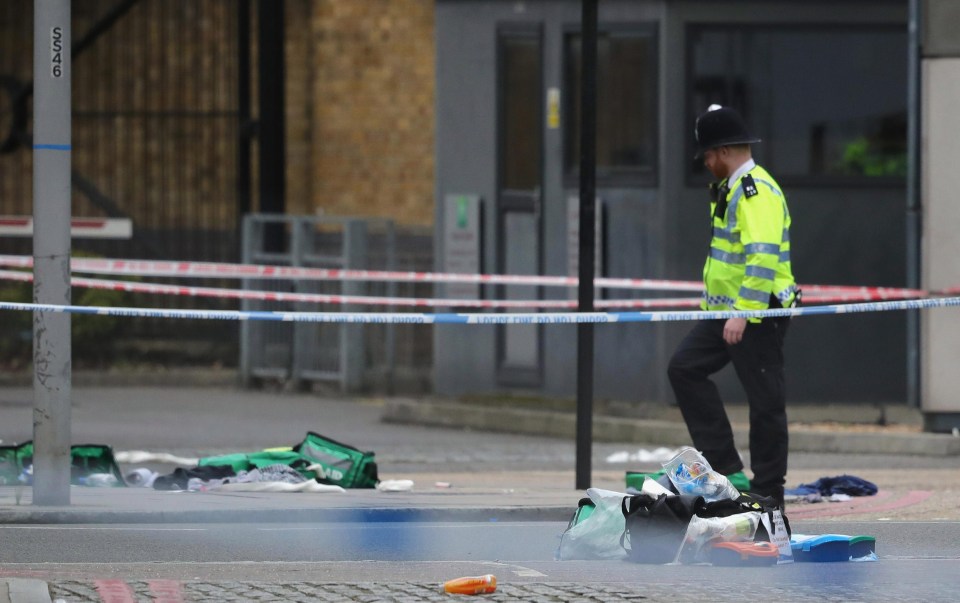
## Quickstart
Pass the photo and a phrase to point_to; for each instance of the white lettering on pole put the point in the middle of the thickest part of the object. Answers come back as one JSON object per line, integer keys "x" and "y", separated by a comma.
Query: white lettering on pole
{"x": 56, "y": 51}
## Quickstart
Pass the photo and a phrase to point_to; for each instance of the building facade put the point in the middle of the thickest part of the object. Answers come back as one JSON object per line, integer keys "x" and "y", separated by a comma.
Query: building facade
{"x": 824, "y": 85}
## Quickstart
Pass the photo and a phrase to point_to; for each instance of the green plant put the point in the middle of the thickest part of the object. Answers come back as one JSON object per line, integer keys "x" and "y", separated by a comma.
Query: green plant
{"x": 862, "y": 158}
{"x": 91, "y": 336}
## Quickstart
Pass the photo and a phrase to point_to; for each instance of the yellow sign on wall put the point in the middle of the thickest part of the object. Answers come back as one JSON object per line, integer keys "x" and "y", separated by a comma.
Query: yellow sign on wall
{"x": 553, "y": 108}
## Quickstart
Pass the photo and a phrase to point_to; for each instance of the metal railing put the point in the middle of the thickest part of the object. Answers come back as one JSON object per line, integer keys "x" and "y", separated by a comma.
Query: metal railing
{"x": 349, "y": 355}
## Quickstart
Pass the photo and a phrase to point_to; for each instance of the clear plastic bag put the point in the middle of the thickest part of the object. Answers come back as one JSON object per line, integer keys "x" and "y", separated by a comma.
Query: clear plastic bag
{"x": 692, "y": 474}
{"x": 741, "y": 527}
{"x": 597, "y": 537}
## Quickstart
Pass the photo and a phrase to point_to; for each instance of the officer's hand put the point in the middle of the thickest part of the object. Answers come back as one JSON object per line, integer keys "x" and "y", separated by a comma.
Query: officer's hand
{"x": 733, "y": 330}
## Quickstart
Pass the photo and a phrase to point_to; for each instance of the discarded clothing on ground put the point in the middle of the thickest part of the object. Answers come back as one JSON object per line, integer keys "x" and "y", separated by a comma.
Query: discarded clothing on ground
{"x": 271, "y": 473}
{"x": 316, "y": 459}
{"x": 272, "y": 478}
{"x": 136, "y": 457}
{"x": 306, "y": 486}
{"x": 180, "y": 478}
{"x": 850, "y": 485}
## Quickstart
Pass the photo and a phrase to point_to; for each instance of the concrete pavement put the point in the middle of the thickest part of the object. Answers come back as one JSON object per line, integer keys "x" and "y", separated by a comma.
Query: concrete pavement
{"x": 470, "y": 461}
{"x": 502, "y": 461}
{"x": 835, "y": 429}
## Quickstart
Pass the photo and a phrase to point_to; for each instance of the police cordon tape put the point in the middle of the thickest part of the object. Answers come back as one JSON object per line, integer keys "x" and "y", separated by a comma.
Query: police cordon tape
{"x": 490, "y": 319}
{"x": 257, "y": 271}
{"x": 324, "y": 298}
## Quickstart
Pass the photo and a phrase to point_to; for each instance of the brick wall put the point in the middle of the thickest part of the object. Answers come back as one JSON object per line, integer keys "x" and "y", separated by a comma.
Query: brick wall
{"x": 154, "y": 101}
{"x": 372, "y": 108}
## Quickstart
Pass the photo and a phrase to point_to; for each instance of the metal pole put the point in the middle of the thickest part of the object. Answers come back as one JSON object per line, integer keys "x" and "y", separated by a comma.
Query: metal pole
{"x": 244, "y": 127}
{"x": 51, "y": 251}
{"x": 914, "y": 205}
{"x": 588, "y": 151}
{"x": 271, "y": 128}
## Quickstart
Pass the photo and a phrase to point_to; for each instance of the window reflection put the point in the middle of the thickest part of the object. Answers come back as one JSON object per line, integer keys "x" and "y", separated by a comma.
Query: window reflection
{"x": 626, "y": 102}
{"x": 827, "y": 103}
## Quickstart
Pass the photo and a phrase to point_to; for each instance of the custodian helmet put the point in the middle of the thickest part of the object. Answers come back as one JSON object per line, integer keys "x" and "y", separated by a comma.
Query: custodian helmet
{"x": 719, "y": 127}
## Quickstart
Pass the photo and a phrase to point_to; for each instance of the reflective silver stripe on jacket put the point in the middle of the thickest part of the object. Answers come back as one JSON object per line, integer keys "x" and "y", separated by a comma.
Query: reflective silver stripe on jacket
{"x": 754, "y": 295}
{"x": 761, "y": 272}
{"x": 726, "y": 257}
{"x": 726, "y": 235}
{"x": 769, "y": 248}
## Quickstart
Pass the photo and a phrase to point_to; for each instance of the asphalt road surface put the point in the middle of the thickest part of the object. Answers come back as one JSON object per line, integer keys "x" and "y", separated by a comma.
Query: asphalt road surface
{"x": 918, "y": 561}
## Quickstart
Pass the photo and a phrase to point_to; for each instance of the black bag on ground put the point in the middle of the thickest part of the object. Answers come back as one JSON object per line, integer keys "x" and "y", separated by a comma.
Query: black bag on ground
{"x": 655, "y": 527}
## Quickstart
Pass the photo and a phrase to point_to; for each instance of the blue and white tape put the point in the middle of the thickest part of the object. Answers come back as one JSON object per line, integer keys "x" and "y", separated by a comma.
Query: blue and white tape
{"x": 485, "y": 318}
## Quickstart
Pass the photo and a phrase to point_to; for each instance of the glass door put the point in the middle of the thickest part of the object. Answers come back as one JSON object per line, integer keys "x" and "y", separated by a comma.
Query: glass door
{"x": 520, "y": 167}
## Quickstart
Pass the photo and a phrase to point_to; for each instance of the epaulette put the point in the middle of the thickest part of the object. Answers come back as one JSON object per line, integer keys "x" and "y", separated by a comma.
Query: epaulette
{"x": 749, "y": 186}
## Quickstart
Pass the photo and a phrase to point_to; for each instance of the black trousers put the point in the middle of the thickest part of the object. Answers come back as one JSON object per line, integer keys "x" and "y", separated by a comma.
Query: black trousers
{"x": 758, "y": 361}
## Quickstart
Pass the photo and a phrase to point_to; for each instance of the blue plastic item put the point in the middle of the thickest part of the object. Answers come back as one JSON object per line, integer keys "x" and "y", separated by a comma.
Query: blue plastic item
{"x": 831, "y": 547}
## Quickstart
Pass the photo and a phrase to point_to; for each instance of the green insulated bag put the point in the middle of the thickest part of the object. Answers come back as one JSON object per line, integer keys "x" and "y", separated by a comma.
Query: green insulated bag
{"x": 339, "y": 464}
{"x": 85, "y": 460}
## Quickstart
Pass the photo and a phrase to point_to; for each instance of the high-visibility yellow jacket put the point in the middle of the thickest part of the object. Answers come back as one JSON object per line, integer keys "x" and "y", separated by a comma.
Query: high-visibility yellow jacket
{"x": 749, "y": 259}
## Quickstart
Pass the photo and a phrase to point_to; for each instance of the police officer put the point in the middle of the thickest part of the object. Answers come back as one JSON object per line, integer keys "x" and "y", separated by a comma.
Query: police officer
{"x": 747, "y": 268}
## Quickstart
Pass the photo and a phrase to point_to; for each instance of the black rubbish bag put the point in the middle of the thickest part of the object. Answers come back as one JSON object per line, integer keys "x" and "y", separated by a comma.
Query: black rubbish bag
{"x": 656, "y": 527}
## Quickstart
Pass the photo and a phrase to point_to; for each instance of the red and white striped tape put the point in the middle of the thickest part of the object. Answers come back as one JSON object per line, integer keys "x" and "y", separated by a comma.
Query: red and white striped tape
{"x": 335, "y": 299}
{"x": 87, "y": 228}
{"x": 256, "y": 271}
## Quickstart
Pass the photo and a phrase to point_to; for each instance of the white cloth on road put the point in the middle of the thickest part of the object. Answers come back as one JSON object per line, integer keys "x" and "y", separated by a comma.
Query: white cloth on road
{"x": 307, "y": 486}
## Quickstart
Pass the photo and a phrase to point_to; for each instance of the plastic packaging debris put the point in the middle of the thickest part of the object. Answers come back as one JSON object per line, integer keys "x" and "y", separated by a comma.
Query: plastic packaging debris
{"x": 733, "y": 528}
{"x": 141, "y": 477}
{"x": 690, "y": 473}
{"x": 595, "y": 530}
{"x": 471, "y": 585}
{"x": 395, "y": 485}
{"x": 653, "y": 488}
{"x": 833, "y": 547}
{"x": 703, "y": 532}
{"x": 755, "y": 554}
{"x": 99, "y": 480}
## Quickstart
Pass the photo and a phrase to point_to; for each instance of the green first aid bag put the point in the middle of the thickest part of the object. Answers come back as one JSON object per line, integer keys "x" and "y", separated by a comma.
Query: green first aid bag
{"x": 245, "y": 461}
{"x": 339, "y": 464}
{"x": 85, "y": 460}
{"x": 318, "y": 457}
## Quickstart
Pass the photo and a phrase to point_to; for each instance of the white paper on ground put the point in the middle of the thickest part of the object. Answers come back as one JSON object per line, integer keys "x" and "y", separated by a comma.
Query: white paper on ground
{"x": 658, "y": 455}
{"x": 135, "y": 457}
{"x": 307, "y": 486}
{"x": 778, "y": 534}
